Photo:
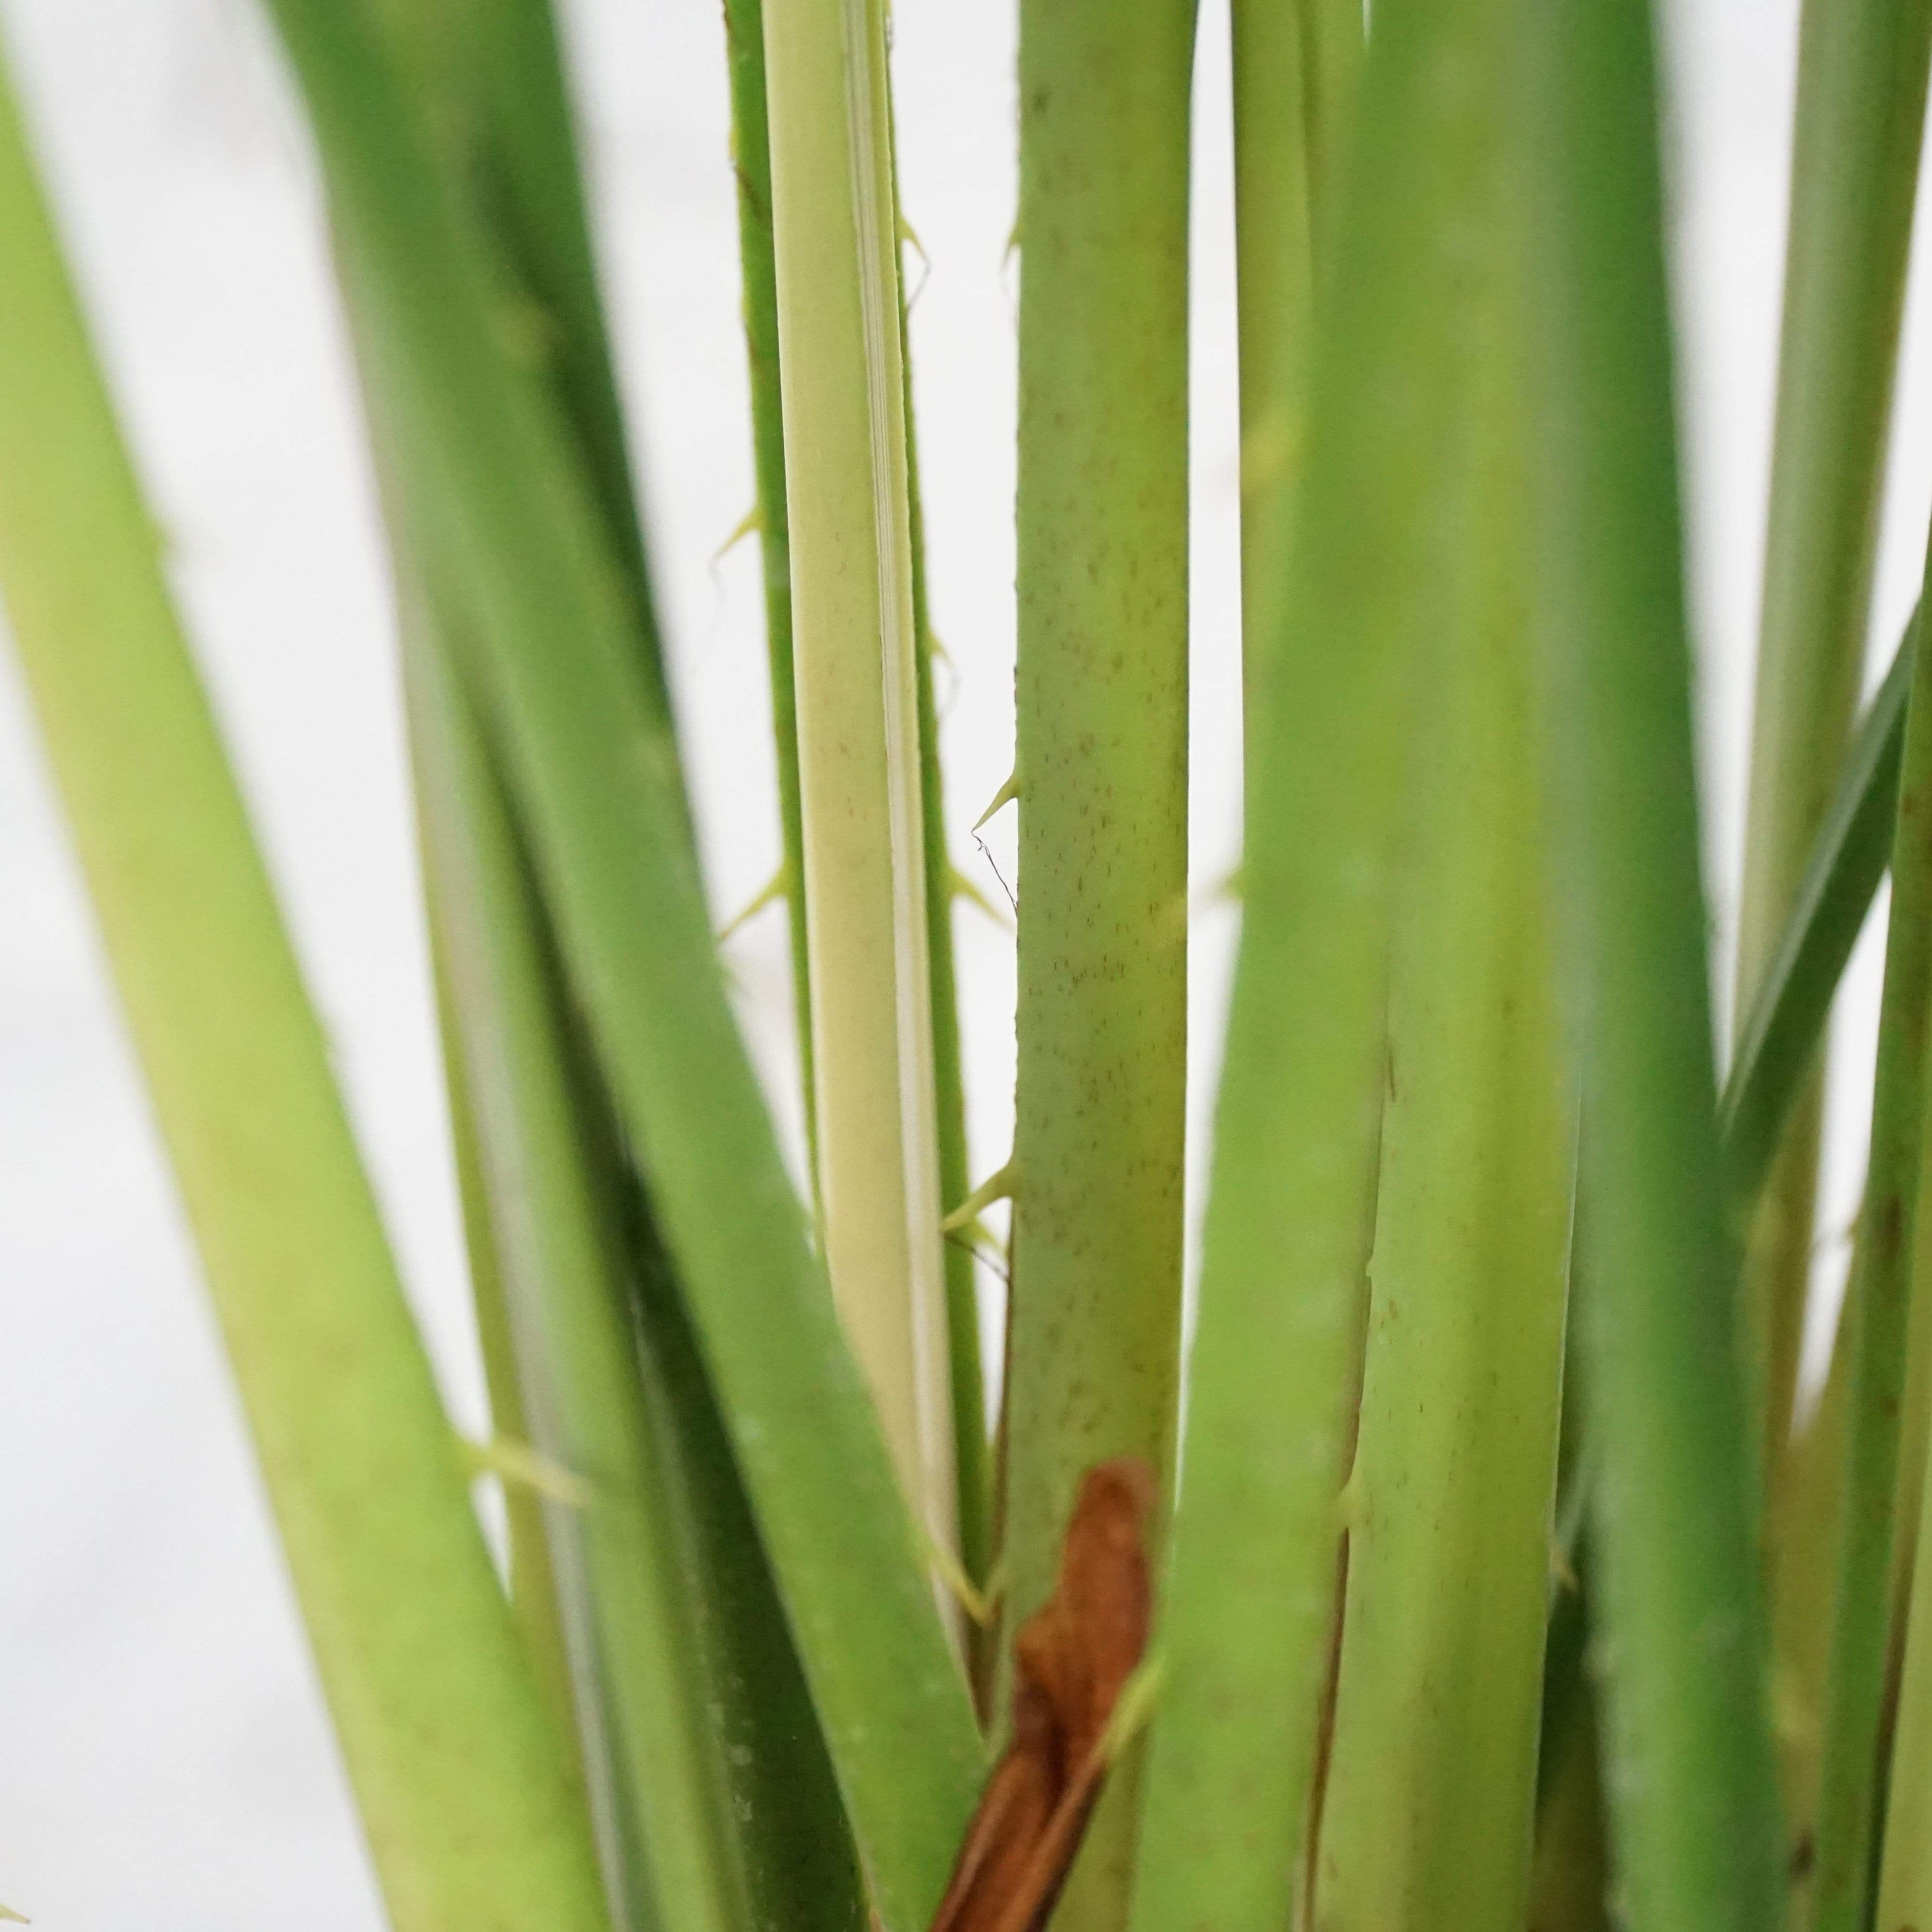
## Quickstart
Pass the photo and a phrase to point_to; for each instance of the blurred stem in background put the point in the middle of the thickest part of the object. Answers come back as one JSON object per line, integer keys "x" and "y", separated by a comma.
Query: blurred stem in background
{"x": 1295, "y": 69}
{"x": 464, "y": 1787}
{"x": 1878, "y": 1325}
{"x": 1677, "y": 1591}
{"x": 1861, "y": 84}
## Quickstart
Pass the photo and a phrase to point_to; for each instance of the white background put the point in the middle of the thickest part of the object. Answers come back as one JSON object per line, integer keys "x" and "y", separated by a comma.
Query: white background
{"x": 164, "y": 1761}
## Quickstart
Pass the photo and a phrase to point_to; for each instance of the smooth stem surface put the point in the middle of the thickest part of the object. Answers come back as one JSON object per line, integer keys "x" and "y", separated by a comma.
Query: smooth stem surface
{"x": 752, "y": 159}
{"x": 463, "y": 1785}
{"x": 1430, "y": 1796}
{"x": 1101, "y": 694}
{"x": 1274, "y": 281}
{"x": 1861, "y": 79}
{"x": 855, "y": 662}
{"x": 1295, "y": 74}
{"x": 1878, "y": 1307}
{"x": 548, "y": 652}
{"x": 1249, "y": 1618}
{"x": 489, "y": 76}
{"x": 1689, "y": 1763}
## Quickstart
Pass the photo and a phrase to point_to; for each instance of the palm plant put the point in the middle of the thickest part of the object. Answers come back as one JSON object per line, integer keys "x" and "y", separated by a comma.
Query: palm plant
{"x": 1479, "y": 1530}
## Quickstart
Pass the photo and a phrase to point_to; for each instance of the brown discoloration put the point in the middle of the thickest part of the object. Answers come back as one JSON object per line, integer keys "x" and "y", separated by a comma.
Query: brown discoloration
{"x": 1070, "y": 1660}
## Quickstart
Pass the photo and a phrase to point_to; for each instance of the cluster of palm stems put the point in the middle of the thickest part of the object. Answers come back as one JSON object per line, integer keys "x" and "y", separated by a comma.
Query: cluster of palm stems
{"x": 1500, "y": 1579}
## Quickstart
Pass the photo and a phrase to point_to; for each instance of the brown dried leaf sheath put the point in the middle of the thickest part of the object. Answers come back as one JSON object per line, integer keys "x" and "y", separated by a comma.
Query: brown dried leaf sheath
{"x": 1070, "y": 1660}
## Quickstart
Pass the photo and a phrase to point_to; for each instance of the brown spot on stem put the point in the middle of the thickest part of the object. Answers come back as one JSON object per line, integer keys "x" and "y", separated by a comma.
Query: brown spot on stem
{"x": 1070, "y": 1660}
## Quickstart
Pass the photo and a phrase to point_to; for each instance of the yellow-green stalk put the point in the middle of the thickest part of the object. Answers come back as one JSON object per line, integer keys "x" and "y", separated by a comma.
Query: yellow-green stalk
{"x": 1294, "y": 72}
{"x": 463, "y": 1785}
{"x": 1248, "y": 1623}
{"x": 854, "y": 654}
{"x": 1101, "y": 762}
{"x": 1430, "y": 1797}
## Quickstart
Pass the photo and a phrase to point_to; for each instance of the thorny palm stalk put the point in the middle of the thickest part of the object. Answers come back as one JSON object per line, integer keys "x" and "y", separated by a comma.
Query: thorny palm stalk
{"x": 1248, "y": 1625}
{"x": 855, "y": 655}
{"x": 767, "y": 1697}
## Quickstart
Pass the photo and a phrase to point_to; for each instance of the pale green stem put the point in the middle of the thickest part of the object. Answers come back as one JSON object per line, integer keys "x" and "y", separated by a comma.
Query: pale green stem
{"x": 1275, "y": 293}
{"x": 1430, "y": 1796}
{"x": 1101, "y": 693}
{"x": 1295, "y": 63}
{"x": 855, "y": 651}
{"x": 1861, "y": 81}
{"x": 1249, "y": 1624}
{"x": 464, "y": 1785}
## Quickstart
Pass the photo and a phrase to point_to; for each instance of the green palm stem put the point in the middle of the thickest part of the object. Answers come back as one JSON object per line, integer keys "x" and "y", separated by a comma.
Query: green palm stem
{"x": 1677, "y": 1590}
{"x": 1295, "y": 77}
{"x": 971, "y": 1457}
{"x": 547, "y": 649}
{"x": 493, "y": 85}
{"x": 855, "y": 652}
{"x": 1861, "y": 83}
{"x": 489, "y": 76}
{"x": 1879, "y": 1319}
{"x": 1249, "y": 1620}
{"x": 1101, "y": 766}
{"x": 549, "y": 1266}
{"x": 1779, "y": 1034}
{"x": 532, "y": 1581}
{"x": 689, "y": 1685}
{"x": 1777, "y": 1040}
{"x": 655, "y": 1777}
{"x": 1429, "y": 1801}
{"x": 464, "y": 1785}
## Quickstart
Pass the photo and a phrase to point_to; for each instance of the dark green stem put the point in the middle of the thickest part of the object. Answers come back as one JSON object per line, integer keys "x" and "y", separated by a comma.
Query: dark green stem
{"x": 1878, "y": 1308}
{"x": 1693, "y": 1795}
